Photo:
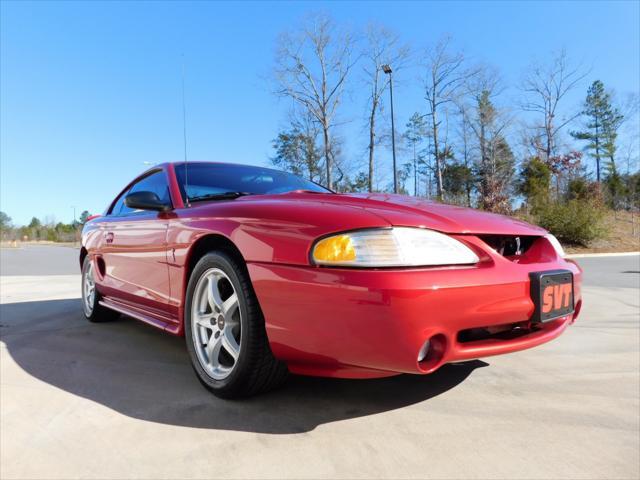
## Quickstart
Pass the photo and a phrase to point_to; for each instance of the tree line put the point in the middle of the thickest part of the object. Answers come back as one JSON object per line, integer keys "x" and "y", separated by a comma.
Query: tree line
{"x": 47, "y": 229}
{"x": 467, "y": 143}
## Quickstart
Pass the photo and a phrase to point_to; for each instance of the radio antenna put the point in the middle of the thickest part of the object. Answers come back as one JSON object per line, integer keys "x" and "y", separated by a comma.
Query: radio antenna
{"x": 184, "y": 134}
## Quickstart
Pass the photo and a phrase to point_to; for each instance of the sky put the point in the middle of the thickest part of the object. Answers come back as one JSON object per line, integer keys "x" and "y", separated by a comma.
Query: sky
{"x": 90, "y": 92}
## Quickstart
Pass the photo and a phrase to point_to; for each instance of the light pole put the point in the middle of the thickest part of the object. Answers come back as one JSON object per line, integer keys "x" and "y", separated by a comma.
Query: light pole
{"x": 75, "y": 225}
{"x": 387, "y": 69}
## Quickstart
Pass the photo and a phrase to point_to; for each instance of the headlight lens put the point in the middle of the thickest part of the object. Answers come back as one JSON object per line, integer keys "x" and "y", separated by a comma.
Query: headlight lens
{"x": 392, "y": 247}
{"x": 556, "y": 245}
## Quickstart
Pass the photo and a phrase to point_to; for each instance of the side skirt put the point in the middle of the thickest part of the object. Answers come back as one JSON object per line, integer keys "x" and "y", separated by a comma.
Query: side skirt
{"x": 165, "y": 323}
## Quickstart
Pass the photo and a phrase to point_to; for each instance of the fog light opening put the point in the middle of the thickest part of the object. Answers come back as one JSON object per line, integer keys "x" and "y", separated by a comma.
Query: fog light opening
{"x": 431, "y": 353}
{"x": 422, "y": 354}
{"x": 576, "y": 310}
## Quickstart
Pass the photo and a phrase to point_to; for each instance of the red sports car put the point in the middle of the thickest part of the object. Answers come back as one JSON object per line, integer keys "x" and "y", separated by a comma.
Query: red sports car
{"x": 266, "y": 273}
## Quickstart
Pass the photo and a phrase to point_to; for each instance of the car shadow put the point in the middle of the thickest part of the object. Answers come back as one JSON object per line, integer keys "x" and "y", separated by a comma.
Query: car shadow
{"x": 144, "y": 373}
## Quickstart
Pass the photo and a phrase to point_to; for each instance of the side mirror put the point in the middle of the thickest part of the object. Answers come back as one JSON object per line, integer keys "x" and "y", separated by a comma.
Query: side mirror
{"x": 145, "y": 201}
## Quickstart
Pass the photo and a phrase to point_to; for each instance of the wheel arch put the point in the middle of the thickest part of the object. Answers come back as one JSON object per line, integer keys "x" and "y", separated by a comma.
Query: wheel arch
{"x": 205, "y": 244}
{"x": 266, "y": 371}
{"x": 83, "y": 255}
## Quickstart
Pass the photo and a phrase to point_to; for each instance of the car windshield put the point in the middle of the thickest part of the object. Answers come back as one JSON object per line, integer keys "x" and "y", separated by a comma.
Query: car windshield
{"x": 206, "y": 179}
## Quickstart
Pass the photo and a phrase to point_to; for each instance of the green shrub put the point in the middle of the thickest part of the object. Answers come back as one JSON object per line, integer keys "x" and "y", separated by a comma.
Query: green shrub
{"x": 583, "y": 190}
{"x": 575, "y": 222}
{"x": 534, "y": 183}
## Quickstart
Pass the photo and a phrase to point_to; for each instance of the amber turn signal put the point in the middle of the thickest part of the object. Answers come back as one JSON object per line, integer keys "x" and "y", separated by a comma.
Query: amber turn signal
{"x": 336, "y": 249}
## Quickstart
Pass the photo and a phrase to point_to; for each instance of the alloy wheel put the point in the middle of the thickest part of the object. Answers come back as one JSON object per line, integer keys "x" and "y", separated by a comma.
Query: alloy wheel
{"x": 216, "y": 325}
{"x": 89, "y": 290}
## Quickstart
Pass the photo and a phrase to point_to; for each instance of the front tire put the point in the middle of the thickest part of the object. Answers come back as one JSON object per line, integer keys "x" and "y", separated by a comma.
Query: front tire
{"x": 225, "y": 332}
{"x": 93, "y": 311}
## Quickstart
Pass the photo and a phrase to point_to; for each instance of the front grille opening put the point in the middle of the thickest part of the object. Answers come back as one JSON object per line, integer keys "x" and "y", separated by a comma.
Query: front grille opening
{"x": 509, "y": 245}
{"x": 497, "y": 332}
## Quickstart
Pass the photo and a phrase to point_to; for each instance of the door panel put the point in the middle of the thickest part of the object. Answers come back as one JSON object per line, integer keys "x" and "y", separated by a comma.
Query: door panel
{"x": 135, "y": 256}
{"x": 134, "y": 249}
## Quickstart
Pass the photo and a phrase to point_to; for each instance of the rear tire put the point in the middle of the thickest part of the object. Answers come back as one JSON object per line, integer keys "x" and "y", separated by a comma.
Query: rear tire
{"x": 225, "y": 331}
{"x": 93, "y": 311}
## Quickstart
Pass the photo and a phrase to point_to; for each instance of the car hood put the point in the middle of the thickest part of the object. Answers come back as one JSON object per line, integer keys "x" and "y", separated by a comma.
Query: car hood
{"x": 401, "y": 210}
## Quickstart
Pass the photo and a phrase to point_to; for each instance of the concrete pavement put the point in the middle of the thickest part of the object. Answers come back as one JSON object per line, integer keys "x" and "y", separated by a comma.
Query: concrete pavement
{"x": 118, "y": 400}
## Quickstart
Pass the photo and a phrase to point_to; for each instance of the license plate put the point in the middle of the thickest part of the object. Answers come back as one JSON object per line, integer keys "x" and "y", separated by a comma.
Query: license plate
{"x": 552, "y": 294}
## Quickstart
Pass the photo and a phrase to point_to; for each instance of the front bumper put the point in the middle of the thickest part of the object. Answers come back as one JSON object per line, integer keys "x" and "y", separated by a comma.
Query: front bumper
{"x": 372, "y": 323}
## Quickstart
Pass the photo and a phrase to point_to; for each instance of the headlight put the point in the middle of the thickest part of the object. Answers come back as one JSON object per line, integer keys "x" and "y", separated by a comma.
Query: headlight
{"x": 392, "y": 247}
{"x": 556, "y": 245}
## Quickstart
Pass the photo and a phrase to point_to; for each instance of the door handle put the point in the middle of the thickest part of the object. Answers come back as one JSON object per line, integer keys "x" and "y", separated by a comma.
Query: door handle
{"x": 108, "y": 237}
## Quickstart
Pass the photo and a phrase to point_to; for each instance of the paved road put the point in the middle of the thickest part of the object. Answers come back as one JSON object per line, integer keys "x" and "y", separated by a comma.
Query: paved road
{"x": 618, "y": 272}
{"x": 39, "y": 260}
{"x": 119, "y": 400}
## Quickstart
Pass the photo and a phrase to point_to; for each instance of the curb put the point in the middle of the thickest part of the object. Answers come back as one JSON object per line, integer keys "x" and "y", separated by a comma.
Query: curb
{"x": 595, "y": 255}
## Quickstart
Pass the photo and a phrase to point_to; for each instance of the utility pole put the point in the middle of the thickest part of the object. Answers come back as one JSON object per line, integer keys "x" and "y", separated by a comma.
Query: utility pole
{"x": 387, "y": 69}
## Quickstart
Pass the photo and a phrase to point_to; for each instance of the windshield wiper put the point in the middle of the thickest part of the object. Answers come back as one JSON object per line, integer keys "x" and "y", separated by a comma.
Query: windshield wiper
{"x": 219, "y": 196}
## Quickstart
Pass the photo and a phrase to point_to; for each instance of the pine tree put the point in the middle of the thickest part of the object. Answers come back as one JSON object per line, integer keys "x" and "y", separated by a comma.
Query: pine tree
{"x": 84, "y": 216}
{"x": 534, "y": 182}
{"x": 603, "y": 121}
{"x": 415, "y": 133}
{"x": 5, "y": 221}
{"x": 288, "y": 155}
{"x": 456, "y": 177}
{"x": 297, "y": 152}
{"x": 496, "y": 166}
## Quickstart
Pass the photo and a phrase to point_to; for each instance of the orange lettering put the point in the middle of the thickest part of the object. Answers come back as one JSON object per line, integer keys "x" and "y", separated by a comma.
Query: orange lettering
{"x": 566, "y": 295}
{"x": 547, "y": 298}
{"x": 557, "y": 296}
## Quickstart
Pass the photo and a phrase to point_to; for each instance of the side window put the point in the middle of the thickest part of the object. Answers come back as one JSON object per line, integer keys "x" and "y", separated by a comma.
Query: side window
{"x": 156, "y": 183}
{"x": 117, "y": 207}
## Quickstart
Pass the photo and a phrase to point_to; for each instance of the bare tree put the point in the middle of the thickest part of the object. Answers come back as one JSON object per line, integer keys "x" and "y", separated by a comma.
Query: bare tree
{"x": 487, "y": 124}
{"x": 383, "y": 47}
{"x": 545, "y": 86}
{"x": 630, "y": 130}
{"x": 465, "y": 133}
{"x": 444, "y": 78}
{"x": 415, "y": 133}
{"x": 312, "y": 65}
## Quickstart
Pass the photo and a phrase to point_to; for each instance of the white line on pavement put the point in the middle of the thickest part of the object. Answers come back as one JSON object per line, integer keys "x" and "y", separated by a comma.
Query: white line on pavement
{"x": 615, "y": 254}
